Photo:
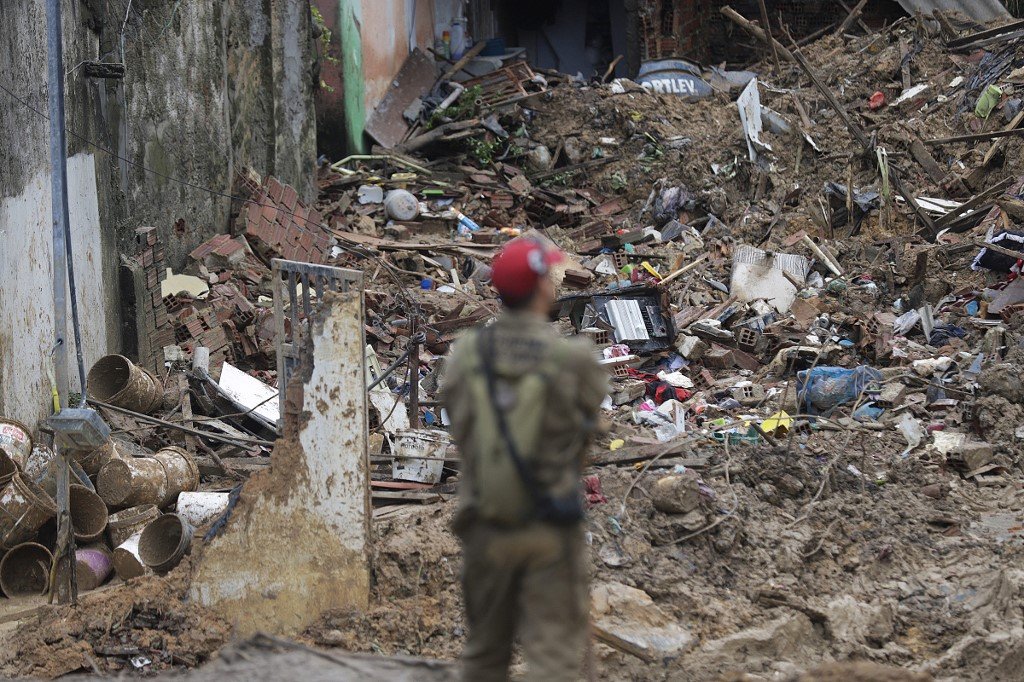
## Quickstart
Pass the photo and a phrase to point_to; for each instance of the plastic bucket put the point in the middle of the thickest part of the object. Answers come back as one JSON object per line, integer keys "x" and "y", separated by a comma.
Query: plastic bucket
{"x": 180, "y": 471}
{"x": 133, "y": 481}
{"x": 24, "y": 507}
{"x": 419, "y": 455}
{"x": 200, "y": 509}
{"x": 164, "y": 542}
{"x": 127, "y": 562}
{"x": 116, "y": 380}
{"x": 92, "y": 461}
{"x": 92, "y": 567}
{"x": 25, "y": 570}
{"x": 88, "y": 514}
{"x": 38, "y": 462}
{"x": 48, "y": 480}
{"x": 128, "y": 522}
{"x": 16, "y": 439}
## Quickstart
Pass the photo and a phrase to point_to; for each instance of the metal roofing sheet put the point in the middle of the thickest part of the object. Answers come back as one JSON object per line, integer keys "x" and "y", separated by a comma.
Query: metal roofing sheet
{"x": 979, "y": 10}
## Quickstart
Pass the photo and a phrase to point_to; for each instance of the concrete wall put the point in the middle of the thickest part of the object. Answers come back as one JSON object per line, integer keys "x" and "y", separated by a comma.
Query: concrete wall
{"x": 209, "y": 86}
{"x": 297, "y": 543}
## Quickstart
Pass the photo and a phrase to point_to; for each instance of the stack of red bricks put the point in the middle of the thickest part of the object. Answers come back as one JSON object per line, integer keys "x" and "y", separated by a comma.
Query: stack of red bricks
{"x": 278, "y": 225}
{"x": 152, "y": 321}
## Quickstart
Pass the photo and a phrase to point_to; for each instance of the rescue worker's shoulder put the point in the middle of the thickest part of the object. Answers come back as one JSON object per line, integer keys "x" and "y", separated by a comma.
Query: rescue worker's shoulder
{"x": 580, "y": 355}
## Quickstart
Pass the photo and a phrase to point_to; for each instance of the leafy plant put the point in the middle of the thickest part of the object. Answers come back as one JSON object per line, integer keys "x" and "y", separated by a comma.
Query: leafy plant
{"x": 483, "y": 149}
{"x": 325, "y": 37}
{"x": 464, "y": 107}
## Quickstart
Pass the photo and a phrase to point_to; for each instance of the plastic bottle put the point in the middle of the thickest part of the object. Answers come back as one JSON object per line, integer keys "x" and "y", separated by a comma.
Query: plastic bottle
{"x": 446, "y": 39}
{"x": 466, "y": 225}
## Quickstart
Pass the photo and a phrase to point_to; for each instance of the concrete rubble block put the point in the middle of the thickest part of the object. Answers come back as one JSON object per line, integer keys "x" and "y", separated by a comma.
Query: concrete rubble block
{"x": 789, "y": 637}
{"x": 691, "y": 347}
{"x": 852, "y": 621}
{"x": 676, "y": 493}
{"x": 628, "y": 619}
{"x": 975, "y": 454}
{"x": 627, "y": 390}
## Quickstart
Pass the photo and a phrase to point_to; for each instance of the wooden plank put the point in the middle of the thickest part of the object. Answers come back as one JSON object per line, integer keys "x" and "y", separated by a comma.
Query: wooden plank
{"x": 984, "y": 35}
{"x": 974, "y": 203}
{"x": 417, "y": 76}
{"x": 756, "y": 31}
{"x": 977, "y": 137}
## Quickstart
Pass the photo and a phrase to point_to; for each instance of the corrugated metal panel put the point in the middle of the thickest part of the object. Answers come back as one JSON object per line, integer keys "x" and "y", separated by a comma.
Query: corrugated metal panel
{"x": 979, "y": 10}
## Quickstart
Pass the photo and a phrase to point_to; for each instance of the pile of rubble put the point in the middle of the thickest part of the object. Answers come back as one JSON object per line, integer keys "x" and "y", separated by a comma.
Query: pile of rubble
{"x": 805, "y": 286}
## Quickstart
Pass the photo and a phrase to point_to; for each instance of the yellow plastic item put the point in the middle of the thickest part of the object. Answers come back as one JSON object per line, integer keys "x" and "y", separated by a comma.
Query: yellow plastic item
{"x": 616, "y": 444}
{"x": 647, "y": 266}
{"x": 777, "y": 424}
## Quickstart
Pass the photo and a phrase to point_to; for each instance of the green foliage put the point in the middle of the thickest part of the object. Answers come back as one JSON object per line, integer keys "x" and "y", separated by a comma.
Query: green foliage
{"x": 464, "y": 107}
{"x": 482, "y": 149}
{"x": 325, "y": 41}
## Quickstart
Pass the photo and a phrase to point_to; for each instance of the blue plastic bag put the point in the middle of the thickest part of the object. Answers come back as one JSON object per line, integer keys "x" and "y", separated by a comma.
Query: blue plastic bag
{"x": 822, "y": 389}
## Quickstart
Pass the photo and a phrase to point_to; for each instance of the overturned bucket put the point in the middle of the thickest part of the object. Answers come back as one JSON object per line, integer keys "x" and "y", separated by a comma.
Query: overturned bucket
{"x": 116, "y": 380}
{"x": 128, "y": 522}
{"x": 24, "y": 508}
{"x": 88, "y": 514}
{"x": 127, "y": 562}
{"x": 92, "y": 567}
{"x": 180, "y": 470}
{"x": 25, "y": 570}
{"x": 92, "y": 461}
{"x": 132, "y": 481}
{"x": 200, "y": 509}
{"x": 16, "y": 440}
{"x": 164, "y": 542}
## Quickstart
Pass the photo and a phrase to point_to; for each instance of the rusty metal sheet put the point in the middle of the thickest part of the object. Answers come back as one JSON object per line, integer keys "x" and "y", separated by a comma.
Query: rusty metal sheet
{"x": 416, "y": 78}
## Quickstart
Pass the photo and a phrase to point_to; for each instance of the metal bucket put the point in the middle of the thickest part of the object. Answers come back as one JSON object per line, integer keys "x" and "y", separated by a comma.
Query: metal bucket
{"x": 133, "y": 481}
{"x": 164, "y": 542}
{"x": 24, "y": 507}
{"x": 88, "y": 514}
{"x": 180, "y": 471}
{"x": 25, "y": 570}
{"x": 16, "y": 440}
{"x": 419, "y": 455}
{"x": 92, "y": 461}
{"x": 128, "y": 522}
{"x": 127, "y": 562}
{"x": 200, "y": 509}
{"x": 116, "y": 380}
{"x": 92, "y": 567}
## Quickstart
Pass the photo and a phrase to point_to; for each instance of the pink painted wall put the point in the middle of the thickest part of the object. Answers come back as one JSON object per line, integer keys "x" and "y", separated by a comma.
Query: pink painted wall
{"x": 386, "y": 44}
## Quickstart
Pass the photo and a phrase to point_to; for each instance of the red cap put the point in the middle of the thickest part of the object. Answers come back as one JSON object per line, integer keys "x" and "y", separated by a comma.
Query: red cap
{"x": 519, "y": 266}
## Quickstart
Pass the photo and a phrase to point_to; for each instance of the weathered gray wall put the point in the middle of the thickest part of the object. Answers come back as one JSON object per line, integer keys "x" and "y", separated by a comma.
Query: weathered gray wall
{"x": 210, "y": 86}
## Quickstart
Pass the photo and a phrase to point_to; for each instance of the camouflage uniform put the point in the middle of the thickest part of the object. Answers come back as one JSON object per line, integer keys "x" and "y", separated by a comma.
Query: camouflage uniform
{"x": 528, "y": 579}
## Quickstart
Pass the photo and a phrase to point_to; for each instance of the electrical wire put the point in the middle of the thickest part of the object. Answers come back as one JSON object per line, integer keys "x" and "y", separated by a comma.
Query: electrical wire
{"x": 346, "y": 245}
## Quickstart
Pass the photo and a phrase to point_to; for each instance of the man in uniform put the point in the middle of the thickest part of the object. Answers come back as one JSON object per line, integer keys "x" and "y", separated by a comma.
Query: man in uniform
{"x": 523, "y": 402}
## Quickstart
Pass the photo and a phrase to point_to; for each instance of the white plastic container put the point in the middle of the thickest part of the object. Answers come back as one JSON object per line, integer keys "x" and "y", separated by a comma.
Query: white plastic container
{"x": 201, "y": 508}
{"x": 127, "y": 563}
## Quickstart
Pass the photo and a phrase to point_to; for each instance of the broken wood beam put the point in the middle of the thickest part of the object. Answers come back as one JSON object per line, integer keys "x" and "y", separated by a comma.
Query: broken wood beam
{"x": 853, "y": 16}
{"x": 766, "y": 25}
{"x": 974, "y": 203}
{"x": 435, "y": 135}
{"x": 975, "y": 137}
{"x": 470, "y": 55}
{"x": 756, "y": 31}
{"x": 927, "y": 161}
